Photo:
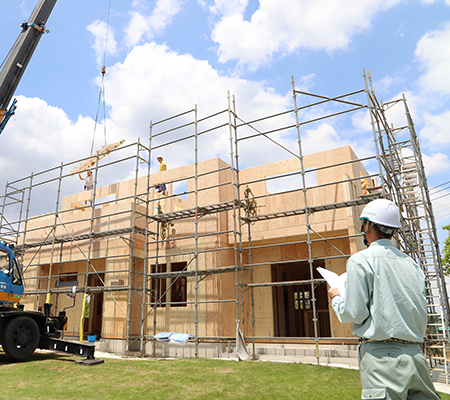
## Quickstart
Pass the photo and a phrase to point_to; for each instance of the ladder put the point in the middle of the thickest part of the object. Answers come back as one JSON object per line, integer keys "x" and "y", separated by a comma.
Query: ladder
{"x": 419, "y": 239}
{"x": 404, "y": 181}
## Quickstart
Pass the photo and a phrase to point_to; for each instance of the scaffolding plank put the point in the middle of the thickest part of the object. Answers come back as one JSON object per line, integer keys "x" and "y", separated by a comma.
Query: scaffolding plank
{"x": 200, "y": 272}
{"x": 196, "y": 212}
{"x": 93, "y": 235}
{"x": 311, "y": 209}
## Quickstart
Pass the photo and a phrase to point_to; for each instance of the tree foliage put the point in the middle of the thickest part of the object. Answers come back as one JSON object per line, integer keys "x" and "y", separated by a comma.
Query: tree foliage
{"x": 446, "y": 252}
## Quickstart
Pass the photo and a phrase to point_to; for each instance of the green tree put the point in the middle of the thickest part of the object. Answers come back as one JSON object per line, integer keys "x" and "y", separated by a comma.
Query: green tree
{"x": 446, "y": 252}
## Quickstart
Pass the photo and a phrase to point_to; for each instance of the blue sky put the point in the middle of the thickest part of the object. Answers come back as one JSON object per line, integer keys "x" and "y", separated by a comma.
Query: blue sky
{"x": 165, "y": 56}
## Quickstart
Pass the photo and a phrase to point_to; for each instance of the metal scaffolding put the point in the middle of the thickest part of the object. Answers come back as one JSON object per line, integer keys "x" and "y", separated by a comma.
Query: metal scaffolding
{"x": 149, "y": 261}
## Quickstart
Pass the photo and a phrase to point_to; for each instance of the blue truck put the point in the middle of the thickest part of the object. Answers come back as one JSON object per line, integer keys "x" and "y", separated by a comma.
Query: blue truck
{"x": 22, "y": 332}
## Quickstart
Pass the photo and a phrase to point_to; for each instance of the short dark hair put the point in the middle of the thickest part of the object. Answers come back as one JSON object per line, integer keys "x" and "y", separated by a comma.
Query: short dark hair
{"x": 384, "y": 231}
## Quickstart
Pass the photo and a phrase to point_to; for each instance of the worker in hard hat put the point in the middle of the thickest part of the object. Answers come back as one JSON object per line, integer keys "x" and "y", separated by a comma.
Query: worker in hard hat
{"x": 385, "y": 300}
{"x": 88, "y": 183}
{"x": 161, "y": 188}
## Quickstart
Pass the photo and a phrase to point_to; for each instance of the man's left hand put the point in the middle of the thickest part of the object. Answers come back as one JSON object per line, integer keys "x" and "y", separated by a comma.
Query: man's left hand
{"x": 333, "y": 292}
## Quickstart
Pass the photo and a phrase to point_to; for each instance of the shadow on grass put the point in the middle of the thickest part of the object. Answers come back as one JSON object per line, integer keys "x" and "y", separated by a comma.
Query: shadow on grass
{"x": 36, "y": 357}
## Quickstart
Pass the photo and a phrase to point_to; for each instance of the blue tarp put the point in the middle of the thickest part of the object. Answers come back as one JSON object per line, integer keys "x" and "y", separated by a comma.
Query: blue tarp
{"x": 164, "y": 336}
{"x": 177, "y": 338}
{"x": 180, "y": 338}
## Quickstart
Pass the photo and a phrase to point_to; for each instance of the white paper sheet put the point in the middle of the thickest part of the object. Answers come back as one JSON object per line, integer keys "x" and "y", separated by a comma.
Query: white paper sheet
{"x": 334, "y": 280}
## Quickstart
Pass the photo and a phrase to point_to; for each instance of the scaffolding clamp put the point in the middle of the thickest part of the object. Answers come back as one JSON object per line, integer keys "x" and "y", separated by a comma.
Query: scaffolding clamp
{"x": 41, "y": 28}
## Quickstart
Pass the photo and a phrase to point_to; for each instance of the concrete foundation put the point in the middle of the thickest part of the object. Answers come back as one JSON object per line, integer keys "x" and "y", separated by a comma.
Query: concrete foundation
{"x": 344, "y": 355}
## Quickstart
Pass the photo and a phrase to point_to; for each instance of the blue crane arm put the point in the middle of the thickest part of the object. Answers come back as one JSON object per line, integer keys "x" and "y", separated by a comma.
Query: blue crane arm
{"x": 20, "y": 55}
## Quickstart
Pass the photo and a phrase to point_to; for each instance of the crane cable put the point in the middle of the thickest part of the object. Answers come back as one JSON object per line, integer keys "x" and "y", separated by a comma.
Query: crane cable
{"x": 101, "y": 95}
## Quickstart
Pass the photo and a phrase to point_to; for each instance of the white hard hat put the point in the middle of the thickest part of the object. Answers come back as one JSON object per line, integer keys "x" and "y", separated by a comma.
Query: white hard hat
{"x": 383, "y": 212}
{"x": 159, "y": 156}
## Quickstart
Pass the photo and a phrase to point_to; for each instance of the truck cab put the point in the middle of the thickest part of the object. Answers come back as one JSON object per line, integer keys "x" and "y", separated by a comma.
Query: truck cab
{"x": 11, "y": 281}
{"x": 21, "y": 332}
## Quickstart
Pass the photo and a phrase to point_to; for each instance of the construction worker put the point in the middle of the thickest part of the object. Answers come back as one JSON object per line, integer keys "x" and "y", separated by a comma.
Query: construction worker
{"x": 161, "y": 188}
{"x": 88, "y": 183}
{"x": 385, "y": 301}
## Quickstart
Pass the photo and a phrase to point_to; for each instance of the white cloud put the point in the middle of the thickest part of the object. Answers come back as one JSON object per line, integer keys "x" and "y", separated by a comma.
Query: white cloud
{"x": 229, "y": 7}
{"x": 325, "y": 137}
{"x": 142, "y": 26}
{"x": 164, "y": 12}
{"x": 396, "y": 112}
{"x": 306, "y": 82}
{"x": 140, "y": 90}
{"x": 39, "y": 139}
{"x": 385, "y": 84}
{"x": 361, "y": 121}
{"x": 439, "y": 199}
{"x": 433, "y": 53}
{"x": 140, "y": 4}
{"x": 23, "y": 9}
{"x": 29, "y": 148}
{"x": 284, "y": 26}
{"x": 102, "y": 33}
{"x": 427, "y": 103}
{"x": 137, "y": 28}
{"x": 436, "y": 163}
{"x": 436, "y": 130}
{"x": 428, "y": 2}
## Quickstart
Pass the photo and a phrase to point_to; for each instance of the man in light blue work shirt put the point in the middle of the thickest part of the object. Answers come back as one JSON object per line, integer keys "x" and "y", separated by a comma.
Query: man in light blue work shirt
{"x": 385, "y": 301}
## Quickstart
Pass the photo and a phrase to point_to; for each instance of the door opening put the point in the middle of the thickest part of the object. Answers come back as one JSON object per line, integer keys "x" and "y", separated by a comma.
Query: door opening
{"x": 293, "y": 306}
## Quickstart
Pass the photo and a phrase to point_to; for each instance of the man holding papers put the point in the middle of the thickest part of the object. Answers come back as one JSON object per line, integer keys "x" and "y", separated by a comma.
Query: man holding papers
{"x": 385, "y": 301}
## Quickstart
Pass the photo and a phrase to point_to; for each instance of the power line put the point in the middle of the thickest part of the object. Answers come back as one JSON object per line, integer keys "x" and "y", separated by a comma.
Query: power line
{"x": 437, "y": 210}
{"x": 440, "y": 197}
{"x": 443, "y": 216}
{"x": 440, "y": 190}
{"x": 440, "y": 205}
{"x": 442, "y": 184}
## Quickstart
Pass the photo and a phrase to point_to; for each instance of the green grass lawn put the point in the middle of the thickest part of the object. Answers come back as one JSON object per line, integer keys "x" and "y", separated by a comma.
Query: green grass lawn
{"x": 51, "y": 376}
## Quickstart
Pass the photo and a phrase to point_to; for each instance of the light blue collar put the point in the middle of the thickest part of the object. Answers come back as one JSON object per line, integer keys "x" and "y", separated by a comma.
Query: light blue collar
{"x": 382, "y": 242}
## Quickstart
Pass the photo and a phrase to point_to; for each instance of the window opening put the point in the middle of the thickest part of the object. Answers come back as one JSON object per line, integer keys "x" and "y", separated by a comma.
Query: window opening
{"x": 284, "y": 182}
{"x": 178, "y": 291}
{"x": 68, "y": 279}
{"x": 160, "y": 284}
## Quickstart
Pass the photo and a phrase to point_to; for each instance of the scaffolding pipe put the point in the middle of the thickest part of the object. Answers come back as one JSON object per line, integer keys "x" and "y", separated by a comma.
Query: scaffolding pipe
{"x": 308, "y": 226}
{"x": 196, "y": 229}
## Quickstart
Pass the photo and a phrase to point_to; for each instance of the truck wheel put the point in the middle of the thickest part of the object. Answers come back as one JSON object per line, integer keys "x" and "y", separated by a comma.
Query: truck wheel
{"x": 20, "y": 337}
